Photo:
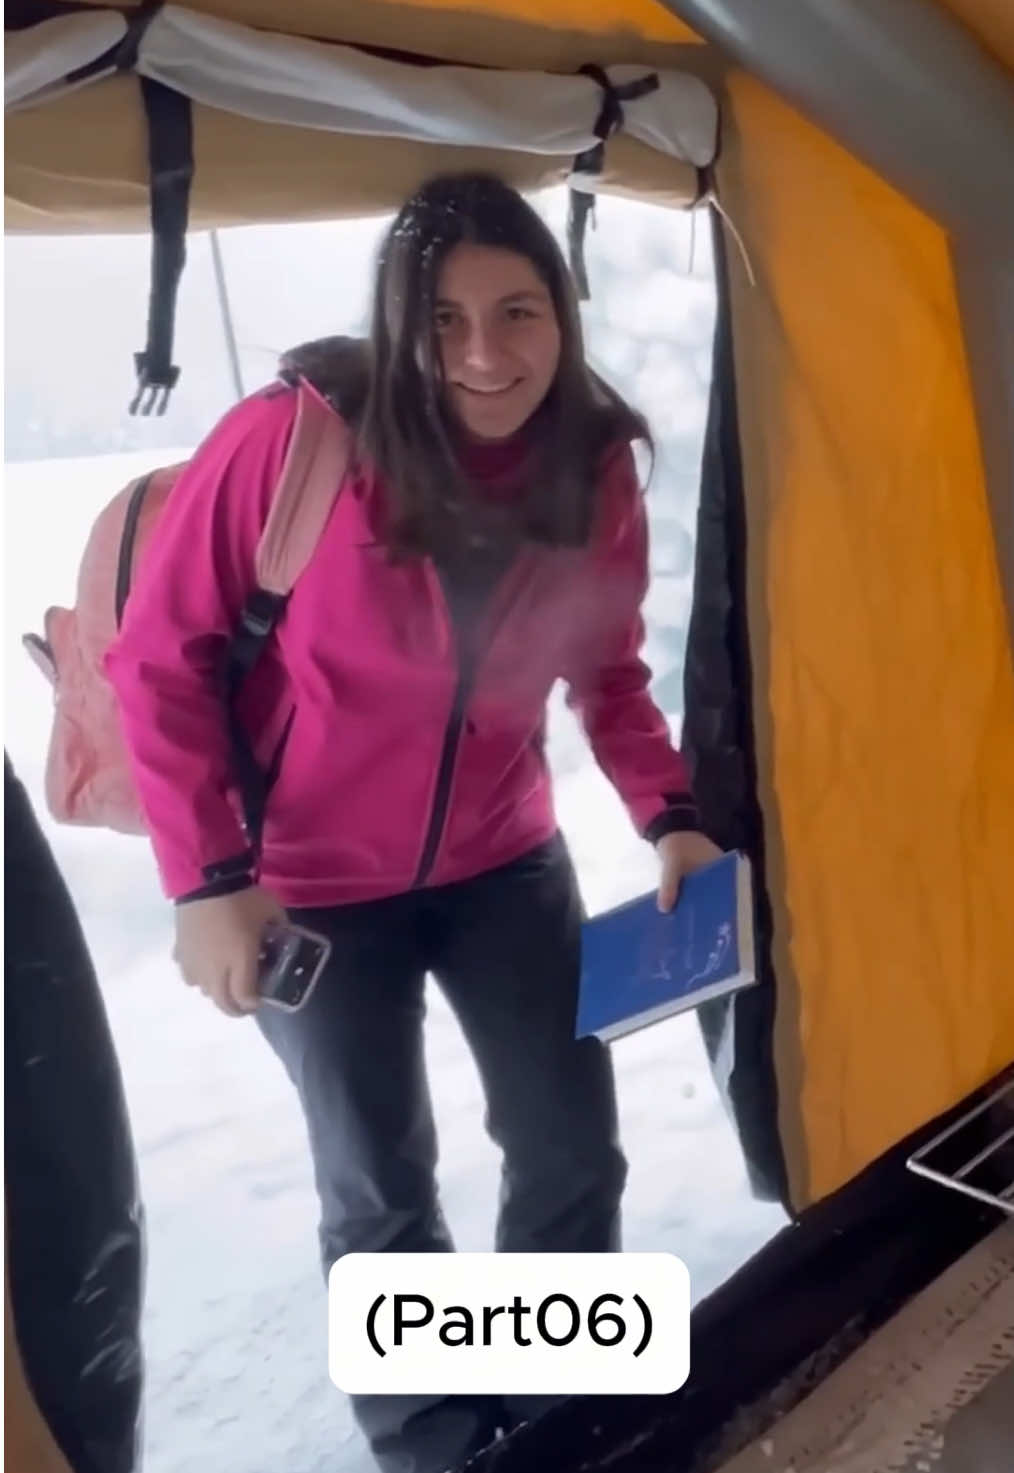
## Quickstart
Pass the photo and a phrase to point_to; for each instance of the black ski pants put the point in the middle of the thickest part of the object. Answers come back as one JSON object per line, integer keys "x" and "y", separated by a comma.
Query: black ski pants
{"x": 505, "y": 950}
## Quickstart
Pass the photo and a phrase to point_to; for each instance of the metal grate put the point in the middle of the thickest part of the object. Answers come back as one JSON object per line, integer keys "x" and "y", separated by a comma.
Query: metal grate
{"x": 975, "y": 1155}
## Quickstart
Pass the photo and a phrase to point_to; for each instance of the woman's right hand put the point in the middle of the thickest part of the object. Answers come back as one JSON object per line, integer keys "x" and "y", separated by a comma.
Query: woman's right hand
{"x": 218, "y": 942}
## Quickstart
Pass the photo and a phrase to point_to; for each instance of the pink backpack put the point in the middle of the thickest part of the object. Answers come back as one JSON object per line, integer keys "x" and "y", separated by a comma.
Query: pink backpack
{"x": 88, "y": 779}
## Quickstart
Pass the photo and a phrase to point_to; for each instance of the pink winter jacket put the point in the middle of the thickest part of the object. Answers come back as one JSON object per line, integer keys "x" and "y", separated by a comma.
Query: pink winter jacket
{"x": 398, "y": 769}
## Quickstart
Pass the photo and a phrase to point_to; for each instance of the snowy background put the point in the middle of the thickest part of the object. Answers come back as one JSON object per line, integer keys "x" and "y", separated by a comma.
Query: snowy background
{"x": 235, "y": 1326}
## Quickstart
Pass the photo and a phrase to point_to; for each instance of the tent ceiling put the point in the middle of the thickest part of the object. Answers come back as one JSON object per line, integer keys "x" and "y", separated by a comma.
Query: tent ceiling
{"x": 539, "y": 32}
{"x": 332, "y": 19}
{"x": 79, "y": 164}
{"x": 77, "y": 161}
{"x": 325, "y": 86}
{"x": 558, "y": 35}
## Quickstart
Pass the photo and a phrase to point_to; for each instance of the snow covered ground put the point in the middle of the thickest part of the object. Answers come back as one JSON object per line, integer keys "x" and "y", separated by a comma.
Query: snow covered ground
{"x": 235, "y": 1328}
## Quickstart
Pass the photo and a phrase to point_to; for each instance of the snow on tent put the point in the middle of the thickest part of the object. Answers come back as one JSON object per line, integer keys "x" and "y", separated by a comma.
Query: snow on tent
{"x": 849, "y": 679}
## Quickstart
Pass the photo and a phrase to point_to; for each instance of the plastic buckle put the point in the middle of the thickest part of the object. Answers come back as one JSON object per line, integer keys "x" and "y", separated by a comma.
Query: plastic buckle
{"x": 153, "y": 389}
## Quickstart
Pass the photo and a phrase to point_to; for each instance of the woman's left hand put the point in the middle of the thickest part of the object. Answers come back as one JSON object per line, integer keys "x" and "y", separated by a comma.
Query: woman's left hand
{"x": 681, "y": 854}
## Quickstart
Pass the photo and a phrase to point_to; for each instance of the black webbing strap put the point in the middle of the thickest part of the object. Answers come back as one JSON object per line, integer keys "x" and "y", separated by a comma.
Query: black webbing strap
{"x": 171, "y": 166}
{"x": 138, "y": 21}
{"x": 171, "y": 171}
{"x": 580, "y": 210}
{"x": 257, "y": 624}
{"x": 591, "y": 162}
{"x": 121, "y": 57}
{"x": 125, "y": 560}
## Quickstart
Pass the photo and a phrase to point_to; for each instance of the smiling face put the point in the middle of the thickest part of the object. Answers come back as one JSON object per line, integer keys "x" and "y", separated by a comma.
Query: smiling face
{"x": 498, "y": 339}
{"x": 476, "y": 326}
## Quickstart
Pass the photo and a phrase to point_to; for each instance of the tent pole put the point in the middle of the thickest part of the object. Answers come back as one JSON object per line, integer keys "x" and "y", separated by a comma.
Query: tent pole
{"x": 908, "y": 89}
{"x": 227, "y": 323}
{"x": 903, "y": 84}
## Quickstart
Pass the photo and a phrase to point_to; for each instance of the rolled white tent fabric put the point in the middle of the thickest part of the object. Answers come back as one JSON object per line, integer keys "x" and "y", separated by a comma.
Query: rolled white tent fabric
{"x": 285, "y": 79}
{"x": 312, "y": 84}
{"x": 38, "y": 60}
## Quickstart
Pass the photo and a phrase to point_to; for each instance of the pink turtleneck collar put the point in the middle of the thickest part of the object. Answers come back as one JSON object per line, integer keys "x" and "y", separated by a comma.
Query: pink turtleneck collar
{"x": 497, "y": 467}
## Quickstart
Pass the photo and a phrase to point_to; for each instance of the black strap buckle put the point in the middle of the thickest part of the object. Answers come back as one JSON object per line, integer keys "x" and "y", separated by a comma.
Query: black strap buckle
{"x": 261, "y": 612}
{"x": 257, "y": 622}
{"x": 154, "y": 385}
{"x": 171, "y": 170}
{"x": 592, "y": 161}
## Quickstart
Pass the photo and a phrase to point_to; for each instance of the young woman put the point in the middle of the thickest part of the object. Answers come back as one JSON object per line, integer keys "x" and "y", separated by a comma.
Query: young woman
{"x": 491, "y": 539}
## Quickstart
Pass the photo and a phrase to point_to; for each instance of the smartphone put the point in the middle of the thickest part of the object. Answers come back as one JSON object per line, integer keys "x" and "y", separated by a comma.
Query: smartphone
{"x": 290, "y": 964}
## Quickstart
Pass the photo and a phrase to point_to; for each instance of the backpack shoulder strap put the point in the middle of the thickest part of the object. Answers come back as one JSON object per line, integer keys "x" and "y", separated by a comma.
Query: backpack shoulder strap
{"x": 315, "y": 465}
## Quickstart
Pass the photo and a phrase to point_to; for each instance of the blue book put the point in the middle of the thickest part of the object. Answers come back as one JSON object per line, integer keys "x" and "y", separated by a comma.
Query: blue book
{"x": 639, "y": 966}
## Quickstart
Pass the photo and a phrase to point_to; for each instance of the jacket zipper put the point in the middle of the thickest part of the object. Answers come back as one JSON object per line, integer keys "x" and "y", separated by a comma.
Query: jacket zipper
{"x": 445, "y": 771}
{"x": 469, "y": 651}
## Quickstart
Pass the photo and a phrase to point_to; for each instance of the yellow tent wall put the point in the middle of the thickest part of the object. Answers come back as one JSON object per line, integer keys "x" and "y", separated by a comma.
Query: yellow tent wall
{"x": 884, "y": 687}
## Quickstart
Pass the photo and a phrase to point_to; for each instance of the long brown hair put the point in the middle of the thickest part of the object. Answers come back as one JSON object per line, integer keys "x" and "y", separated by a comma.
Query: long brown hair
{"x": 404, "y": 427}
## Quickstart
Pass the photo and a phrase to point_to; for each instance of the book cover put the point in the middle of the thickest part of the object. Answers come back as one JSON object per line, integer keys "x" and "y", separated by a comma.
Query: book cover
{"x": 639, "y": 966}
